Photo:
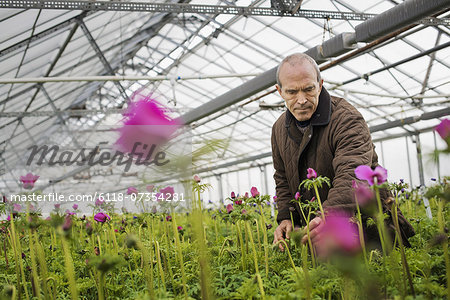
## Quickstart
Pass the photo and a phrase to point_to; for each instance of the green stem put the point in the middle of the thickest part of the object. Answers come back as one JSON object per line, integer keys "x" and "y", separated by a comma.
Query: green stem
{"x": 441, "y": 225}
{"x": 35, "y": 277}
{"x": 402, "y": 251}
{"x": 42, "y": 265}
{"x": 289, "y": 254}
{"x": 101, "y": 286}
{"x": 318, "y": 199}
{"x": 306, "y": 272}
{"x": 17, "y": 257}
{"x": 241, "y": 243}
{"x": 69, "y": 269}
{"x": 180, "y": 255}
{"x": 361, "y": 234}
{"x": 255, "y": 261}
{"x": 161, "y": 272}
{"x": 266, "y": 242}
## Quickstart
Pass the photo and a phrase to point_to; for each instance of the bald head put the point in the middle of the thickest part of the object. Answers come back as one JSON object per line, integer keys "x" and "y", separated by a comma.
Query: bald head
{"x": 298, "y": 58}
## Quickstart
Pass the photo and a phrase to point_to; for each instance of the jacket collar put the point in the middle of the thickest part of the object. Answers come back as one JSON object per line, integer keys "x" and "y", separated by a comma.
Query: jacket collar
{"x": 322, "y": 114}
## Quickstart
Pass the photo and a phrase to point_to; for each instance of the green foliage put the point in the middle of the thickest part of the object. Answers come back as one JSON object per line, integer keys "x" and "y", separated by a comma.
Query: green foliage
{"x": 119, "y": 256}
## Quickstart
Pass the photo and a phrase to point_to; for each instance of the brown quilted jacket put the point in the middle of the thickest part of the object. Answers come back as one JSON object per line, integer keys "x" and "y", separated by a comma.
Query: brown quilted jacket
{"x": 337, "y": 141}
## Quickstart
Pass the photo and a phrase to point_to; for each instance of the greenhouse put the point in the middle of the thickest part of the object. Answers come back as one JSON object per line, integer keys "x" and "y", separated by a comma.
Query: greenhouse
{"x": 224, "y": 149}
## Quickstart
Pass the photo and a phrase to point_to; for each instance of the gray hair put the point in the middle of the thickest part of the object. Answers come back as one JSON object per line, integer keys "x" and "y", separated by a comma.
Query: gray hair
{"x": 296, "y": 58}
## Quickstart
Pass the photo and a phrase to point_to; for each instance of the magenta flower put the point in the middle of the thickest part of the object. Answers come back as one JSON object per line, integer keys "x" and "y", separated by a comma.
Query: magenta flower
{"x": 275, "y": 198}
{"x": 254, "y": 192}
{"x": 167, "y": 192}
{"x": 67, "y": 223}
{"x": 197, "y": 178}
{"x": 233, "y": 195}
{"x": 150, "y": 188}
{"x": 363, "y": 194}
{"x": 229, "y": 208}
{"x": 297, "y": 196}
{"x": 28, "y": 181}
{"x": 313, "y": 199}
{"x": 244, "y": 212}
{"x": 101, "y": 217}
{"x": 238, "y": 202}
{"x": 69, "y": 213}
{"x": 337, "y": 234}
{"x": 146, "y": 125}
{"x": 444, "y": 129}
{"x": 311, "y": 173}
{"x": 180, "y": 228}
{"x": 168, "y": 218}
{"x": 246, "y": 195}
{"x": 57, "y": 205}
{"x": 75, "y": 206}
{"x": 366, "y": 173}
{"x": 132, "y": 190}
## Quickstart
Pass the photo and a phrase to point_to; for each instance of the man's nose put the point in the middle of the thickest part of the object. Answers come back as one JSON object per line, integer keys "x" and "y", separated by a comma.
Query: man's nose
{"x": 301, "y": 99}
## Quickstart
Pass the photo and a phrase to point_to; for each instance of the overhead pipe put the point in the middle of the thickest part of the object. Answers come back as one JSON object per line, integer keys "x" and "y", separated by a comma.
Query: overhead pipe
{"x": 118, "y": 78}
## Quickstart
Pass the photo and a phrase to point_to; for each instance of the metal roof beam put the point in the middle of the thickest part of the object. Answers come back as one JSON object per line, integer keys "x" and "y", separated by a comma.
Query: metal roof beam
{"x": 180, "y": 8}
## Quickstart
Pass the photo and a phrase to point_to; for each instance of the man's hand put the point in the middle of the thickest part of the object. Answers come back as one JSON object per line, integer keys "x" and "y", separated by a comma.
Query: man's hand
{"x": 314, "y": 231}
{"x": 282, "y": 232}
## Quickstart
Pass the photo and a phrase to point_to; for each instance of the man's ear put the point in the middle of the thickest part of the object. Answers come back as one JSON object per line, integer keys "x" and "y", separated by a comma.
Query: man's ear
{"x": 278, "y": 89}
{"x": 320, "y": 85}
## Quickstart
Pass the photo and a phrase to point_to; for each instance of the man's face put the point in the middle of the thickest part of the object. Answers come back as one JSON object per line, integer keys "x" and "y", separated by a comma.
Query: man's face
{"x": 300, "y": 89}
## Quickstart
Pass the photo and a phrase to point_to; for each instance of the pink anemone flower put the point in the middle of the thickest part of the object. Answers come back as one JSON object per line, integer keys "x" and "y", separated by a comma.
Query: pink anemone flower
{"x": 28, "y": 181}
{"x": 366, "y": 173}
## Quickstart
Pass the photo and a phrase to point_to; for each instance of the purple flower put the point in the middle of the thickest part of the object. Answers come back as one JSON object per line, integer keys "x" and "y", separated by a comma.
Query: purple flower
{"x": 254, "y": 192}
{"x": 67, "y": 223}
{"x": 363, "y": 194}
{"x": 268, "y": 226}
{"x": 146, "y": 124}
{"x": 57, "y": 205}
{"x": 229, "y": 208}
{"x": 433, "y": 179}
{"x": 366, "y": 173}
{"x": 101, "y": 217}
{"x": 444, "y": 129}
{"x": 168, "y": 218}
{"x": 75, "y": 206}
{"x": 246, "y": 195}
{"x": 297, "y": 196}
{"x": 167, "y": 192}
{"x": 337, "y": 234}
{"x": 132, "y": 191}
{"x": 275, "y": 198}
{"x": 180, "y": 228}
{"x": 233, "y": 195}
{"x": 28, "y": 181}
{"x": 69, "y": 213}
{"x": 311, "y": 173}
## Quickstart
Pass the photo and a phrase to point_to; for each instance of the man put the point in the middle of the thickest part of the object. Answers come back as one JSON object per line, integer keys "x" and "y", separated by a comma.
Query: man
{"x": 317, "y": 131}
